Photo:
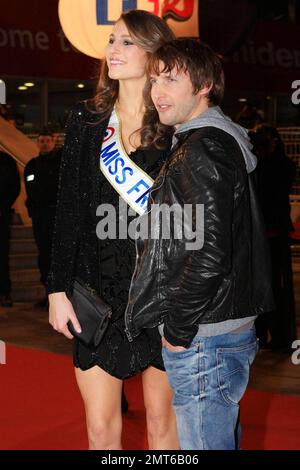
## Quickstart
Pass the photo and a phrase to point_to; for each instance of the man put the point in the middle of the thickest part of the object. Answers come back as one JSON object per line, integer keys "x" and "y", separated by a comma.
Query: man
{"x": 209, "y": 296}
{"x": 9, "y": 191}
{"x": 41, "y": 181}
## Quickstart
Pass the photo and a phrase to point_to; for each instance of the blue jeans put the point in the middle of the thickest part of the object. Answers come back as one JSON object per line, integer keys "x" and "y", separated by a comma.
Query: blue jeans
{"x": 209, "y": 380}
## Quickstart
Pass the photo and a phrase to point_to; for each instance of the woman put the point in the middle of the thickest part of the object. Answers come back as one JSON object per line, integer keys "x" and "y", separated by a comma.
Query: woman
{"x": 118, "y": 109}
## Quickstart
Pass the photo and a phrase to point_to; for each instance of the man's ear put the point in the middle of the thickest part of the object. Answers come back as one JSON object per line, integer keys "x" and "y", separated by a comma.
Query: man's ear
{"x": 205, "y": 90}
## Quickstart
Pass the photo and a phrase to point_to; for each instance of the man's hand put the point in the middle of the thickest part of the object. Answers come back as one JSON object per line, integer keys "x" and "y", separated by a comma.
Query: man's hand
{"x": 170, "y": 347}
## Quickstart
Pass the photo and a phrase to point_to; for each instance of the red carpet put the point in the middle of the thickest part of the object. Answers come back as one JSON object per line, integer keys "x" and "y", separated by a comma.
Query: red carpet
{"x": 42, "y": 409}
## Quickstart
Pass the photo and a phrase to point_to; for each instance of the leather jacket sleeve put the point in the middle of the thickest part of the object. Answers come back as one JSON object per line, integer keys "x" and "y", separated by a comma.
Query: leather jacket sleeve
{"x": 66, "y": 227}
{"x": 208, "y": 179}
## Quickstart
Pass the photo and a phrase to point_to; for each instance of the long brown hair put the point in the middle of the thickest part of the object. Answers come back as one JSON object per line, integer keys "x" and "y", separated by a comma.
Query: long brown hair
{"x": 149, "y": 32}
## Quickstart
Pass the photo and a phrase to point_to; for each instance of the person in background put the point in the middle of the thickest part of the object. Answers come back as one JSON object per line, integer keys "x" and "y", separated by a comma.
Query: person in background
{"x": 249, "y": 116}
{"x": 9, "y": 191}
{"x": 41, "y": 182}
{"x": 275, "y": 174}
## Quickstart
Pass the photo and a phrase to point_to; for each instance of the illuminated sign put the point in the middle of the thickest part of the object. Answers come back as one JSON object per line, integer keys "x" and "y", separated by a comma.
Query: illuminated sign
{"x": 88, "y": 23}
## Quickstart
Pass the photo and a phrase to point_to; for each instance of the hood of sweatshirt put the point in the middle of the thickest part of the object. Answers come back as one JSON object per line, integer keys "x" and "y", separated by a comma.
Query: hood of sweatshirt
{"x": 214, "y": 117}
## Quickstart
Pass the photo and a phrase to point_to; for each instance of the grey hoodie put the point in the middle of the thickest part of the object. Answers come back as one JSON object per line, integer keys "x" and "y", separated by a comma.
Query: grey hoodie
{"x": 214, "y": 117}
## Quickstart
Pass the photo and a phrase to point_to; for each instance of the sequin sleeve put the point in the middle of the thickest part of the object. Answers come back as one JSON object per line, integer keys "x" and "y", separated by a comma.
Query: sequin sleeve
{"x": 65, "y": 235}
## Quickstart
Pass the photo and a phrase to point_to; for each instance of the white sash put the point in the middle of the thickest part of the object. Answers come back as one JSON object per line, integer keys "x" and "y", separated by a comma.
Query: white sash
{"x": 130, "y": 181}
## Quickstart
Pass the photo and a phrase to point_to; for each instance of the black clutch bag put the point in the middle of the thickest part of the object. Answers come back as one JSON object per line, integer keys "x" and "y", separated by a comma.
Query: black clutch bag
{"x": 92, "y": 312}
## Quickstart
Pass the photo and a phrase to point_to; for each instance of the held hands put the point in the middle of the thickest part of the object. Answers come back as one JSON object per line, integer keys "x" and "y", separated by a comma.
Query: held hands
{"x": 170, "y": 347}
{"x": 60, "y": 312}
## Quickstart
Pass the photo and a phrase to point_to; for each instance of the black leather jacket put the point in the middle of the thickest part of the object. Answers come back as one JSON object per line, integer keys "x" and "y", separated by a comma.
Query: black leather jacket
{"x": 229, "y": 277}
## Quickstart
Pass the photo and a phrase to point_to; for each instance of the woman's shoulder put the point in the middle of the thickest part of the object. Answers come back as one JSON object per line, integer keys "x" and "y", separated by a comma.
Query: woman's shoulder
{"x": 83, "y": 112}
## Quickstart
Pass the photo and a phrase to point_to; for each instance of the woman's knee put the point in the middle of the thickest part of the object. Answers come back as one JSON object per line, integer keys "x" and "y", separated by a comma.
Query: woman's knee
{"x": 104, "y": 434}
{"x": 159, "y": 420}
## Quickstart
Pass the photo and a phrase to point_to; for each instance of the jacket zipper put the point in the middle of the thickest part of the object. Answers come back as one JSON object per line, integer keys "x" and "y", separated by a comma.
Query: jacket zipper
{"x": 128, "y": 311}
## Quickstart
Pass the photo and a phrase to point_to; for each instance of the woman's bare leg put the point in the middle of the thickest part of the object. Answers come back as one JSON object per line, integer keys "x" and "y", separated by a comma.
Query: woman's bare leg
{"x": 161, "y": 419}
{"x": 101, "y": 394}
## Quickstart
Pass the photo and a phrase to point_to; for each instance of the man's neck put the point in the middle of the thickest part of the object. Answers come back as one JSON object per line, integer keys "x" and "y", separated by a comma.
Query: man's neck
{"x": 200, "y": 109}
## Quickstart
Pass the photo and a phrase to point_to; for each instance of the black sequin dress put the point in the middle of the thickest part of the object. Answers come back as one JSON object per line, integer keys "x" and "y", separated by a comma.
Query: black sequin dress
{"x": 115, "y": 354}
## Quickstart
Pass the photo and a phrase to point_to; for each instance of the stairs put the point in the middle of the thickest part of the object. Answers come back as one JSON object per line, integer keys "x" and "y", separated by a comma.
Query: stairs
{"x": 24, "y": 272}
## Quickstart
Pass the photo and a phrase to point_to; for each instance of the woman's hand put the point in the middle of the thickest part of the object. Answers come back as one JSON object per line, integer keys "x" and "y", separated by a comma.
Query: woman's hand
{"x": 60, "y": 312}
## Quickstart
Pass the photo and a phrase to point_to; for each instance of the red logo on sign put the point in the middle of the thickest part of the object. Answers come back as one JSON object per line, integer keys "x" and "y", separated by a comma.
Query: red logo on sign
{"x": 170, "y": 10}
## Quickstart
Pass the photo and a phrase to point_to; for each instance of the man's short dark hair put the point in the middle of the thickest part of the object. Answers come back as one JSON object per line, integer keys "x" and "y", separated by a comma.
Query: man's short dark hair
{"x": 197, "y": 59}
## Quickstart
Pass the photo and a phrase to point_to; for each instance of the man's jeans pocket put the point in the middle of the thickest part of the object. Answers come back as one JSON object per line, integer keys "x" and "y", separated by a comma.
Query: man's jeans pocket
{"x": 233, "y": 365}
